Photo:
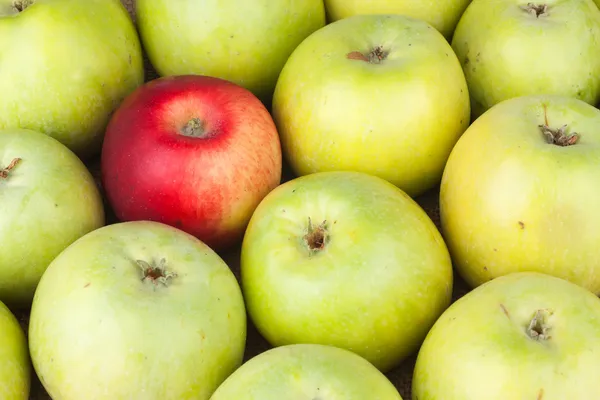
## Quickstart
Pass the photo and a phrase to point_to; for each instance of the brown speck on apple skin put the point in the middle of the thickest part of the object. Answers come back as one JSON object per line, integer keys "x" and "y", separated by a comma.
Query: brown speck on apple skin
{"x": 521, "y": 224}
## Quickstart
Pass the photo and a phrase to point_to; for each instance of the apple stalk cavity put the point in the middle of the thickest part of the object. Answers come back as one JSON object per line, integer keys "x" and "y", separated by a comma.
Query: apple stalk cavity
{"x": 537, "y": 10}
{"x": 559, "y": 136}
{"x": 156, "y": 273}
{"x": 4, "y": 172}
{"x": 539, "y": 328}
{"x": 317, "y": 236}
{"x": 21, "y": 5}
{"x": 195, "y": 128}
{"x": 375, "y": 56}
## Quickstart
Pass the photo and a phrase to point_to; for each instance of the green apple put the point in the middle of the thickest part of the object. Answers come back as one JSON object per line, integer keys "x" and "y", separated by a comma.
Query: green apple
{"x": 48, "y": 200}
{"x": 245, "y": 42}
{"x": 15, "y": 367}
{"x": 66, "y": 66}
{"x": 307, "y": 371}
{"x": 137, "y": 310}
{"x": 365, "y": 94}
{"x": 345, "y": 259}
{"x": 515, "y": 48}
{"x": 521, "y": 336}
{"x": 441, "y": 14}
{"x": 520, "y": 192}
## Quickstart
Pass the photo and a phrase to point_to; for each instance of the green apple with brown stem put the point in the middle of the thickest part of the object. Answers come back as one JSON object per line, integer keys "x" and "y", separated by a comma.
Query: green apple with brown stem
{"x": 379, "y": 94}
{"x": 514, "y": 48}
{"x": 345, "y": 259}
{"x": 66, "y": 66}
{"x": 521, "y": 336}
{"x": 48, "y": 199}
{"x": 138, "y": 311}
{"x": 520, "y": 192}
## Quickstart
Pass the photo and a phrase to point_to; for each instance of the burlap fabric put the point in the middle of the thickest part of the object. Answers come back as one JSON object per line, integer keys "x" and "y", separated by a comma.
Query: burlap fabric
{"x": 401, "y": 376}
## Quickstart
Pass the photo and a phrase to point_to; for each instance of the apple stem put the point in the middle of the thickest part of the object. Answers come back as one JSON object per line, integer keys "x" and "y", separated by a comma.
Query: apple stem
{"x": 559, "y": 137}
{"x": 375, "y": 56}
{"x": 155, "y": 273}
{"x": 538, "y": 326}
{"x": 316, "y": 237}
{"x": 194, "y": 128}
{"x": 537, "y": 10}
{"x": 6, "y": 171}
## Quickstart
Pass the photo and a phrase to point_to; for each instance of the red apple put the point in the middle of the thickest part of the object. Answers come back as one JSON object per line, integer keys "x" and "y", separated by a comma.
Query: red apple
{"x": 195, "y": 152}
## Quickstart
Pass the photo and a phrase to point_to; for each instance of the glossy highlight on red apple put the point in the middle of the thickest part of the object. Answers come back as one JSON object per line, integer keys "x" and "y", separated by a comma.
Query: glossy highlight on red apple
{"x": 195, "y": 152}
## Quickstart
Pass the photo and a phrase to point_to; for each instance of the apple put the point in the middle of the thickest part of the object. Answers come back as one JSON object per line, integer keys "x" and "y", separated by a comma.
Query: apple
{"x": 443, "y": 15}
{"x": 521, "y": 336}
{"x": 137, "y": 310}
{"x": 363, "y": 94}
{"x": 15, "y": 366}
{"x": 194, "y": 152}
{"x": 66, "y": 65}
{"x": 520, "y": 192}
{"x": 345, "y": 259}
{"x": 245, "y": 42}
{"x": 515, "y": 48}
{"x": 307, "y": 371}
{"x": 48, "y": 200}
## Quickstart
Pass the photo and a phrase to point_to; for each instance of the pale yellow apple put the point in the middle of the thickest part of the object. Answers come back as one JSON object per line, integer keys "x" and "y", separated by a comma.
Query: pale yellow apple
{"x": 243, "y": 41}
{"x": 515, "y": 48}
{"x": 380, "y": 94}
{"x": 442, "y": 14}
{"x": 513, "y": 201}
{"x": 524, "y": 336}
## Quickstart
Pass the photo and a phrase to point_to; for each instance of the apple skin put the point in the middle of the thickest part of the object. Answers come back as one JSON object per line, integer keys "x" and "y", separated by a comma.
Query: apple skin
{"x": 507, "y": 52}
{"x": 481, "y": 348}
{"x": 381, "y": 280}
{"x": 99, "y": 331}
{"x": 15, "y": 366}
{"x": 443, "y": 15}
{"x": 392, "y": 119}
{"x": 307, "y": 371}
{"x": 511, "y": 202}
{"x": 207, "y": 186}
{"x": 66, "y": 65}
{"x": 245, "y": 42}
{"x": 49, "y": 199}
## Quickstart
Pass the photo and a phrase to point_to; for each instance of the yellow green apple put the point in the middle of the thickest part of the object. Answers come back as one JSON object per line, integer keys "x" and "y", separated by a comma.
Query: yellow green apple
{"x": 515, "y": 48}
{"x": 66, "y": 65}
{"x": 345, "y": 259}
{"x": 380, "y": 94}
{"x": 521, "y": 336}
{"x": 137, "y": 311}
{"x": 48, "y": 199}
{"x": 245, "y": 42}
{"x": 15, "y": 366}
{"x": 307, "y": 371}
{"x": 520, "y": 192}
{"x": 441, "y": 14}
